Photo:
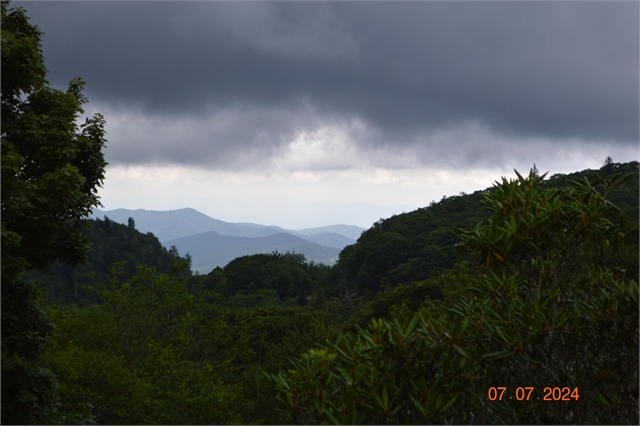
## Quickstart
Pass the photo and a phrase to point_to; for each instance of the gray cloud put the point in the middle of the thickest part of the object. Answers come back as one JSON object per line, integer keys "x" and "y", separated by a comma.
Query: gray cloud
{"x": 248, "y": 77}
{"x": 234, "y": 138}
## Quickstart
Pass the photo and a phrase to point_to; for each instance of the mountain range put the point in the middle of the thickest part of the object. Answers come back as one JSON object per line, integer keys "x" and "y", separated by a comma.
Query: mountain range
{"x": 212, "y": 242}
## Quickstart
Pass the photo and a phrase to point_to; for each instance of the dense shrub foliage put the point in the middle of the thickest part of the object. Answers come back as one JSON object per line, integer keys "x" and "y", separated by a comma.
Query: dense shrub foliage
{"x": 550, "y": 311}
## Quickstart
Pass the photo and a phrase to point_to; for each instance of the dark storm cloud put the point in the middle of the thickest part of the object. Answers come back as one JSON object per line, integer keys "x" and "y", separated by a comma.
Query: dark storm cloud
{"x": 555, "y": 70}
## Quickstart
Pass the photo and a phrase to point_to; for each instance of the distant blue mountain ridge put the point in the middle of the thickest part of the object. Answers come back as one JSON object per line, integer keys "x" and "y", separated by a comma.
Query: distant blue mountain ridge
{"x": 212, "y": 242}
{"x": 210, "y": 249}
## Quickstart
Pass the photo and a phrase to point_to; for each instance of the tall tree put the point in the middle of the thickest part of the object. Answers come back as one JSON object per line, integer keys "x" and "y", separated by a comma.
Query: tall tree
{"x": 607, "y": 166}
{"x": 51, "y": 170}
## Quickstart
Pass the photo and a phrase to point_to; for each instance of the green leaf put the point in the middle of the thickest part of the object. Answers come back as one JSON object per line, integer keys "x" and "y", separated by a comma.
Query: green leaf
{"x": 461, "y": 352}
{"x": 602, "y": 400}
{"x": 498, "y": 354}
{"x": 417, "y": 403}
{"x": 449, "y": 403}
{"x": 331, "y": 418}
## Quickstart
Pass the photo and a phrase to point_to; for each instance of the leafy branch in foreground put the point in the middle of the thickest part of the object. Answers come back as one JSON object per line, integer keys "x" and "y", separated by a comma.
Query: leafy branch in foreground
{"x": 550, "y": 311}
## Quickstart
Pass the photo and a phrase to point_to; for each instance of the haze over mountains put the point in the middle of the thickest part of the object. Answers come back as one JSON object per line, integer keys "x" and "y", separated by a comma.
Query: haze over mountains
{"x": 212, "y": 242}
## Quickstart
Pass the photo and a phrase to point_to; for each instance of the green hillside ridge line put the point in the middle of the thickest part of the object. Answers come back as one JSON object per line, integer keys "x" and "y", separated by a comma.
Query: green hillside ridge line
{"x": 408, "y": 247}
{"x": 402, "y": 249}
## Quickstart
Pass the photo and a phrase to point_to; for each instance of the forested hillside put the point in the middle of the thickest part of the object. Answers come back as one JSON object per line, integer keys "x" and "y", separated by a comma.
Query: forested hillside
{"x": 110, "y": 242}
{"x": 407, "y": 247}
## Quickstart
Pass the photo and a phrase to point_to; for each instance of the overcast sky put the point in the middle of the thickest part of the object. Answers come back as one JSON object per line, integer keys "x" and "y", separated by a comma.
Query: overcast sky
{"x": 305, "y": 114}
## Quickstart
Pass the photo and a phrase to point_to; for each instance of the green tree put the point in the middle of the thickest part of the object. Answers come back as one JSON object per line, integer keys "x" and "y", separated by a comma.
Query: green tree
{"x": 535, "y": 170}
{"x": 607, "y": 166}
{"x": 51, "y": 170}
{"x": 288, "y": 274}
